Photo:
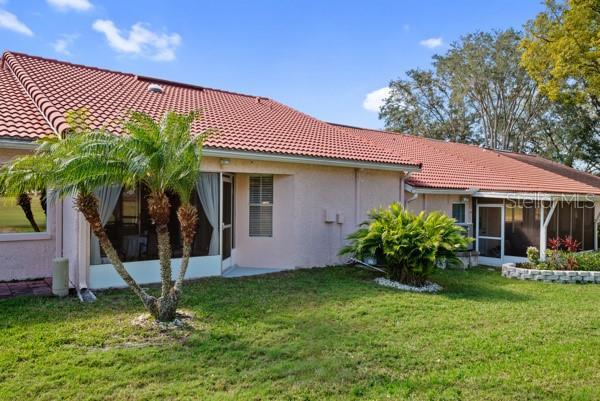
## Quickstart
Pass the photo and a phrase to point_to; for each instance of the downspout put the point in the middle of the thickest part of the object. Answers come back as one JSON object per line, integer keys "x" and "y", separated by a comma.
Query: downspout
{"x": 357, "y": 196}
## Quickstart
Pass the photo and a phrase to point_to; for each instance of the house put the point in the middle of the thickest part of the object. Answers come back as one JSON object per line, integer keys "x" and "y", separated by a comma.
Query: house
{"x": 279, "y": 189}
{"x": 507, "y": 201}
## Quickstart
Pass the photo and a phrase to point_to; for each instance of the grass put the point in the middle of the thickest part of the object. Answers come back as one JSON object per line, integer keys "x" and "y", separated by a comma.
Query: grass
{"x": 313, "y": 335}
{"x": 12, "y": 218}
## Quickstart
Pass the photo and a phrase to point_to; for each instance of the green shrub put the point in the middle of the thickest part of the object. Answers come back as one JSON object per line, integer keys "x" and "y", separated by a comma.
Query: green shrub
{"x": 407, "y": 245}
{"x": 588, "y": 260}
{"x": 565, "y": 260}
{"x": 533, "y": 255}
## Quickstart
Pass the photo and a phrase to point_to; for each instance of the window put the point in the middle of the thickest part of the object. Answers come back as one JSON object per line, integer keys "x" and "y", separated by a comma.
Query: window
{"x": 132, "y": 233}
{"x": 261, "y": 206}
{"x": 22, "y": 215}
{"x": 575, "y": 219}
{"x": 521, "y": 227}
{"x": 458, "y": 212}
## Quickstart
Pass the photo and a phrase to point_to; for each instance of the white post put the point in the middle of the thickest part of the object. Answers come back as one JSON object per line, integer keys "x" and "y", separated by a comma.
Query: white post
{"x": 543, "y": 233}
{"x": 544, "y": 222}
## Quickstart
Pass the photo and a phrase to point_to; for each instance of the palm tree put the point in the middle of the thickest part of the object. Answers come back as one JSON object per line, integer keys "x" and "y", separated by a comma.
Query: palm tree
{"x": 54, "y": 164}
{"x": 165, "y": 157}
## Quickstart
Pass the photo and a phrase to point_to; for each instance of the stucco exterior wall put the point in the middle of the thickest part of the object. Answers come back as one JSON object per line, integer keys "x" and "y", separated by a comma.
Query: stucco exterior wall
{"x": 27, "y": 255}
{"x": 303, "y": 196}
{"x": 442, "y": 203}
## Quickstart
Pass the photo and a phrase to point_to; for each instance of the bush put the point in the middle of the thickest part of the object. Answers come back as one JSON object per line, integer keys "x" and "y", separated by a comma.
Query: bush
{"x": 565, "y": 260}
{"x": 533, "y": 255}
{"x": 407, "y": 245}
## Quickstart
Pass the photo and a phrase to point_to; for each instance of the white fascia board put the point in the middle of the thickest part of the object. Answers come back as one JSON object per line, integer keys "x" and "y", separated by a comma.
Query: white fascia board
{"x": 438, "y": 191}
{"x": 15, "y": 144}
{"x": 234, "y": 154}
{"x": 539, "y": 196}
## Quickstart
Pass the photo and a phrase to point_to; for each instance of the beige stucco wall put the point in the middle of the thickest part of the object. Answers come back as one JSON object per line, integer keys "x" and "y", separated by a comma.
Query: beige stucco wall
{"x": 22, "y": 257}
{"x": 303, "y": 194}
{"x": 437, "y": 202}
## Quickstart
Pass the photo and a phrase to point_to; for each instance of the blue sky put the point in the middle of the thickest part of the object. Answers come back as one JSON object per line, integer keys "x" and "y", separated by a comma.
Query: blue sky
{"x": 320, "y": 57}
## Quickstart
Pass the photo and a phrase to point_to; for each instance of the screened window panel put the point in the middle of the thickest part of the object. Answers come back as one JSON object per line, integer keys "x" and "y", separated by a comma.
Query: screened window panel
{"x": 490, "y": 221}
{"x": 521, "y": 228}
{"x": 588, "y": 227}
{"x": 564, "y": 219}
{"x": 490, "y": 248}
{"x": 261, "y": 206}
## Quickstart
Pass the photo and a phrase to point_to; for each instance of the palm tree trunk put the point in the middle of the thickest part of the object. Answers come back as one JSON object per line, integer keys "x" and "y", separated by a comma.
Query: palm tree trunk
{"x": 24, "y": 200}
{"x": 159, "y": 209}
{"x": 88, "y": 206}
{"x": 44, "y": 201}
{"x": 188, "y": 221}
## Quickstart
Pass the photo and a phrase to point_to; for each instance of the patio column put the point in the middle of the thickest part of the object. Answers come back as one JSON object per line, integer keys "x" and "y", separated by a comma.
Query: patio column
{"x": 544, "y": 222}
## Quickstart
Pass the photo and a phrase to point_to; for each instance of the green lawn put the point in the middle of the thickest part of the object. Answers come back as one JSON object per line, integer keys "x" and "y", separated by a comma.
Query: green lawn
{"x": 13, "y": 220}
{"x": 313, "y": 335}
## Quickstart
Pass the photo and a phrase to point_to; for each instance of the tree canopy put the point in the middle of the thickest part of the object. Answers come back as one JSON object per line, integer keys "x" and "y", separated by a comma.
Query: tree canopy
{"x": 562, "y": 51}
{"x": 480, "y": 92}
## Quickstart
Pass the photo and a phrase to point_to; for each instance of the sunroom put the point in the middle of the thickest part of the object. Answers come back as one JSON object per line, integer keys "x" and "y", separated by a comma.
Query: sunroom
{"x": 507, "y": 224}
{"x": 124, "y": 214}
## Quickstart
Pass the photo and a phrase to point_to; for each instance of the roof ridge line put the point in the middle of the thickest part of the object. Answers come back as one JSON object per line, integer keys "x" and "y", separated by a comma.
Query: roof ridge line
{"x": 136, "y": 76}
{"x": 50, "y": 113}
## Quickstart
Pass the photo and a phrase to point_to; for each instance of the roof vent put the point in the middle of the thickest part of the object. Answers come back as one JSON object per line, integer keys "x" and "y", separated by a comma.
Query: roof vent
{"x": 155, "y": 88}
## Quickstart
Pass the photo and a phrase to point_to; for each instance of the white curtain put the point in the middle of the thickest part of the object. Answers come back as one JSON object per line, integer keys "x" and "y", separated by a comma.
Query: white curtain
{"x": 208, "y": 192}
{"x": 107, "y": 200}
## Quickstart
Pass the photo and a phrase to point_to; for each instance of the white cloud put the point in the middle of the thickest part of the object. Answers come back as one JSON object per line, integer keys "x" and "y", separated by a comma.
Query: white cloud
{"x": 11, "y": 22}
{"x": 374, "y": 100}
{"x": 64, "y": 5}
{"x": 139, "y": 41}
{"x": 432, "y": 43}
{"x": 62, "y": 44}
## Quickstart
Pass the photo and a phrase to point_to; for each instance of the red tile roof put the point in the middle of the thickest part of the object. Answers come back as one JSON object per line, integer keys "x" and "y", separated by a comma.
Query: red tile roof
{"x": 449, "y": 165}
{"x": 35, "y": 94}
{"x": 243, "y": 122}
{"x": 19, "y": 117}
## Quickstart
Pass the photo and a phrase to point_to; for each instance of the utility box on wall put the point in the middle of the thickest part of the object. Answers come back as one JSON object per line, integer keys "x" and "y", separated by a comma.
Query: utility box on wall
{"x": 329, "y": 216}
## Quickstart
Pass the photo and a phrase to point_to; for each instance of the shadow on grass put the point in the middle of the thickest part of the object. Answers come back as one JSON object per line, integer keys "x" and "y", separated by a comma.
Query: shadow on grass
{"x": 478, "y": 284}
{"x": 250, "y": 298}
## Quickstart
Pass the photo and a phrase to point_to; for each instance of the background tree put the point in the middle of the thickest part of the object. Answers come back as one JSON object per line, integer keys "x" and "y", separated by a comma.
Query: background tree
{"x": 424, "y": 105}
{"x": 569, "y": 135}
{"x": 476, "y": 93}
{"x": 562, "y": 51}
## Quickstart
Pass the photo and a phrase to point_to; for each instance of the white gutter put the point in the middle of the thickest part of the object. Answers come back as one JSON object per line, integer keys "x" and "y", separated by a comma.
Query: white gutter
{"x": 440, "y": 191}
{"x": 235, "y": 154}
{"x": 476, "y": 193}
{"x": 15, "y": 144}
{"x": 539, "y": 196}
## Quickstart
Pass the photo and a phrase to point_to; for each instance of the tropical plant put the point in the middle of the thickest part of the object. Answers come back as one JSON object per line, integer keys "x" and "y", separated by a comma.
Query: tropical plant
{"x": 407, "y": 245}
{"x": 164, "y": 156}
{"x": 533, "y": 254}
